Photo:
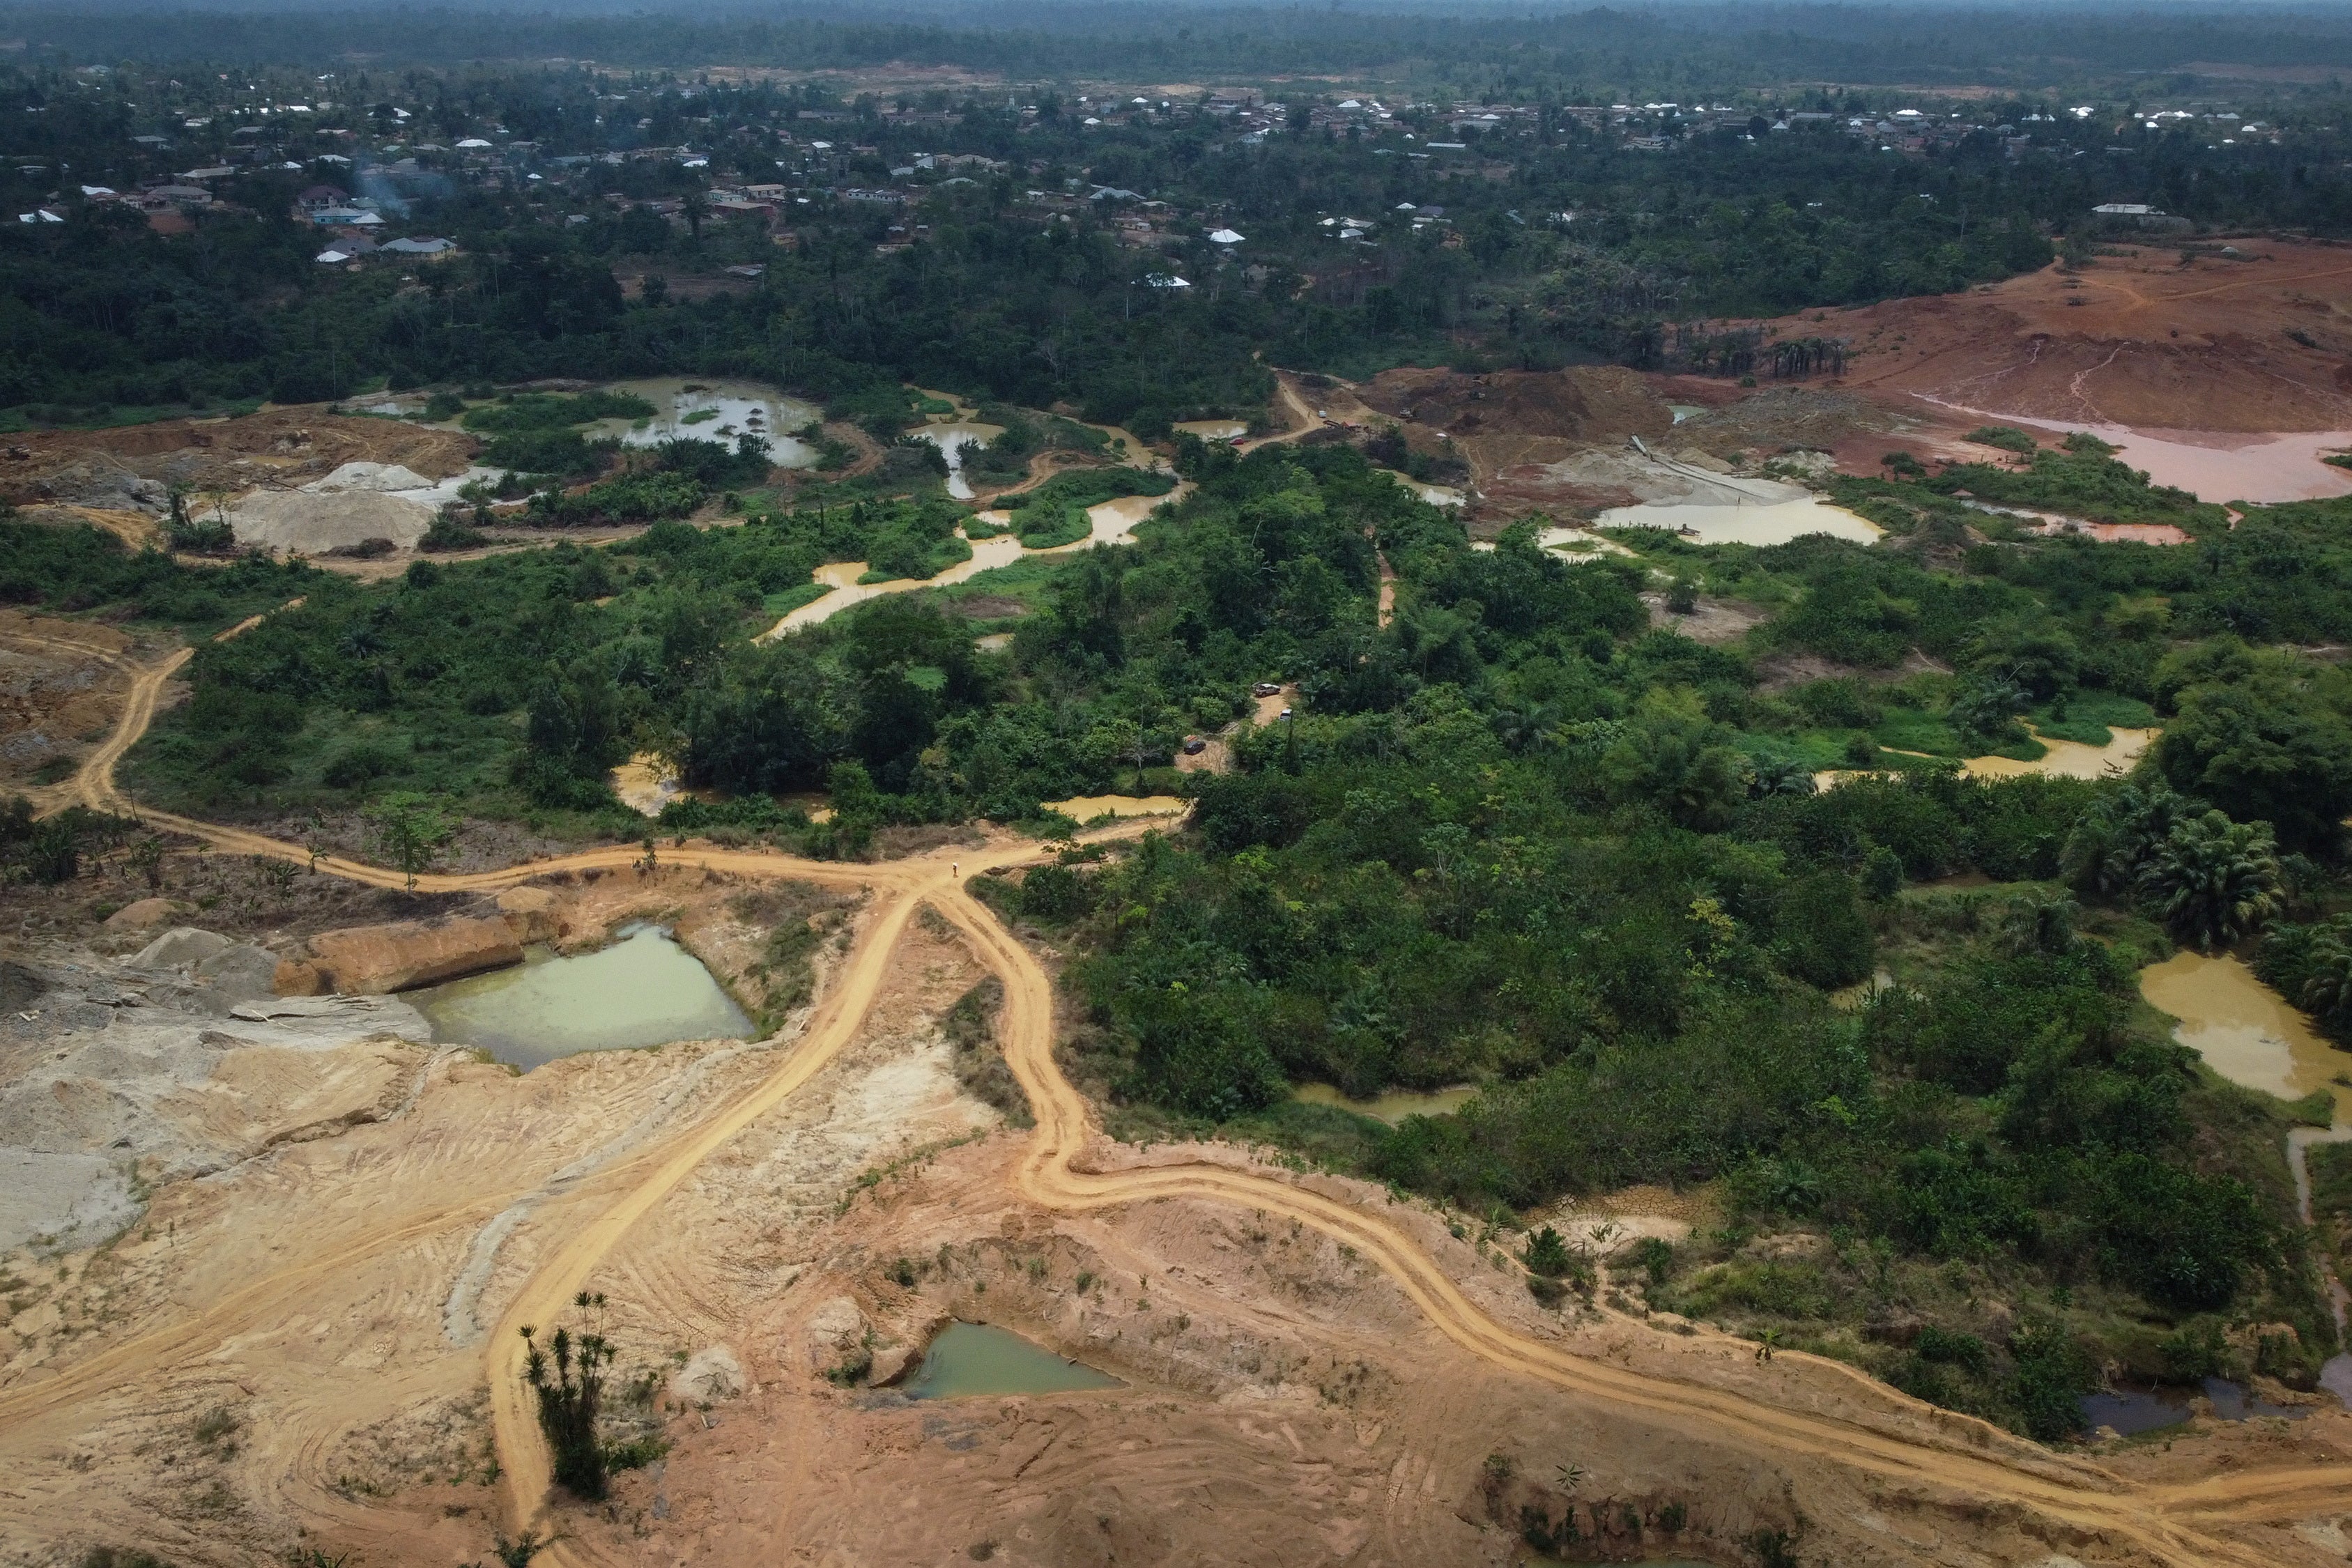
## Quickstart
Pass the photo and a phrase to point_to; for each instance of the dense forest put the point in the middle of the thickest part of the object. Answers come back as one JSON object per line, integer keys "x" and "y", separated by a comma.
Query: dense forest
{"x": 1560, "y": 241}
{"x": 1596, "y": 49}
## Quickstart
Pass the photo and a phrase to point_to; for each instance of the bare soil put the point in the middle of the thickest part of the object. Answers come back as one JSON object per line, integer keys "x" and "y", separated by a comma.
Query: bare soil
{"x": 2259, "y": 344}
{"x": 1712, "y": 621}
{"x": 292, "y": 1351}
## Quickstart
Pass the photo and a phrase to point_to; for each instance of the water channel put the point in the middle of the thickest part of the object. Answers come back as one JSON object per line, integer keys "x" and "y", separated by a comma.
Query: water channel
{"x": 1761, "y": 522}
{"x": 642, "y": 989}
{"x": 951, "y": 439}
{"x": 1110, "y": 522}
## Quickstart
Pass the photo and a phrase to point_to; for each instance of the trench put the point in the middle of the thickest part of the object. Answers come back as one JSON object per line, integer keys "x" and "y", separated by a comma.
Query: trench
{"x": 1392, "y": 1107}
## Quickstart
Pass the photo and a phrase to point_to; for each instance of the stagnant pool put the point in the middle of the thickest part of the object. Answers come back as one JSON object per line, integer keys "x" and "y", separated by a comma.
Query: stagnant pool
{"x": 642, "y": 989}
{"x": 969, "y": 1359}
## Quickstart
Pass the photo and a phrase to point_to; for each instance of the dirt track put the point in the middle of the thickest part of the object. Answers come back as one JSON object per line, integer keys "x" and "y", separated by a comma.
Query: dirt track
{"x": 1818, "y": 1411}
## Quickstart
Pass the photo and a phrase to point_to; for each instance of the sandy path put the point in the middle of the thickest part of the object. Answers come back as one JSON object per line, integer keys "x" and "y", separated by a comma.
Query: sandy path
{"x": 1300, "y": 410}
{"x": 1890, "y": 1437}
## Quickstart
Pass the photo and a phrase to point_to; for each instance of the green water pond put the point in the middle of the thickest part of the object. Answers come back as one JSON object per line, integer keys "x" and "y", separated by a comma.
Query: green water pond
{"x": 970, "y": 1359}
{"x": 643, "y": 990}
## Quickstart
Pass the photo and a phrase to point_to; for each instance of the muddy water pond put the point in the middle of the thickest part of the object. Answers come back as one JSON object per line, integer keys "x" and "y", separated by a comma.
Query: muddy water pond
{"x": 1393, "y": 1107}
{"x": 643, "y": 990}
{"x": 2215, "y": 465}
{"x": 2069, "y": 759}
{"x": 1765, "y": 523}
{"x": 973, "y": 1359}
{"x": 2131, "y": 1411}
{"x": 716, "y": 410}
{"x": 2059, "y": 759}
{"x": 2245, "y": 1031}
{"x": 1214, "y": 429}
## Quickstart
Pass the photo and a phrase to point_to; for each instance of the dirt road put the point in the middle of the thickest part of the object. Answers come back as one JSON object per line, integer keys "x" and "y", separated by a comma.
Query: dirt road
{"x": 1875, "y": 1430}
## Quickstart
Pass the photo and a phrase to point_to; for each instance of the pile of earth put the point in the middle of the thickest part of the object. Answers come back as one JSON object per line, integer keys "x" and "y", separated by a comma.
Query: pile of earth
{"x": 1507, "y": 419}
{"x": 1594, "y": 478}
{"x": 309, "y": 523}
{"x": 89, "y": 479}
{"x": 116, "y": 1074}
{"x": 1596, "y": 404}
{"x": 1787, "y": 419}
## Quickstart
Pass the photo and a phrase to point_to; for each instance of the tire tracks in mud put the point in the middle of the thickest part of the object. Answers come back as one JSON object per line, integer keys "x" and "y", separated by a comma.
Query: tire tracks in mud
{"x": 1971, "y": 1460}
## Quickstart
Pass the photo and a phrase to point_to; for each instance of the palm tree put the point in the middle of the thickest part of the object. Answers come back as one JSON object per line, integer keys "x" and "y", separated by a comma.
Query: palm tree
{"x": 1781, "y": 775}
{"x": 2214, "y": 880}
{"x": 2328, "y": 988}
{"x": 2110, "y": 843}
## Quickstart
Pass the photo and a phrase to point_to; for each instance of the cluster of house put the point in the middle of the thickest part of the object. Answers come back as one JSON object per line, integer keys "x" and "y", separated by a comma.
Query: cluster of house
{"x": 168, "y": 204}
{"x": 1415, "y": 217}
{"x": 354, "y": 222}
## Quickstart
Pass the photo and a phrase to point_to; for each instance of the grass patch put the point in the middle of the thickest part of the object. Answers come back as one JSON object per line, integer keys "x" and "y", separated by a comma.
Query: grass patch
{"x": 791, "y": 599}
{"x": 1045, "y": 529}
{"x": 2089, "y": 715}
{"x": 1027, "y": 581}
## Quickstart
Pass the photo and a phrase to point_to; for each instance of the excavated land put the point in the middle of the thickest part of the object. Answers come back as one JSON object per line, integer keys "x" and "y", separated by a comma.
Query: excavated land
{"x": 1508, "y": 422}
{"x": 2262, "y": 342}
{"x": 276, "y": 447}
{"x": 284, "y": 1317}
{"x": 121, "y": 479}
{"x": 287, "y": 1343}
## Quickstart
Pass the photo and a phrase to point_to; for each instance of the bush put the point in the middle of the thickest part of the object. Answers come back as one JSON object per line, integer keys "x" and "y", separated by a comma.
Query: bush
{"x": 449, "y": 531}
{"x": 1825, "y": 937}
{"x": 562, "y": 453}
{"x": 1547, "y": 1254}
{"x": 567, "y": 1379}
{"x": 2008, "y": 437}
{"x": 2052, "y": 1371}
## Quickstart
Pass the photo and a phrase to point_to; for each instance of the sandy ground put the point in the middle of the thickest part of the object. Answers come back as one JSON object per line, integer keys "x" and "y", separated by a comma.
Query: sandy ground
{"x": 61, "y": 686}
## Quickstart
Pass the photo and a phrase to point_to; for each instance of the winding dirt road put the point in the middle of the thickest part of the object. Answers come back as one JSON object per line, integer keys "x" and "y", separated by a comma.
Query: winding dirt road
{"x": 1888, "y": 1435}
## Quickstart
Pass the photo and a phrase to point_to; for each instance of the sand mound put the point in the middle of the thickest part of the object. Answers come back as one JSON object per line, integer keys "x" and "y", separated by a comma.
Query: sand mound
{"x": 402, "y": 955}
{"x": 1592, "y": 404}
{"x": 130, "y": 1074}
{"x": 365, "y": 476}
{"x": 301, "y": 523}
